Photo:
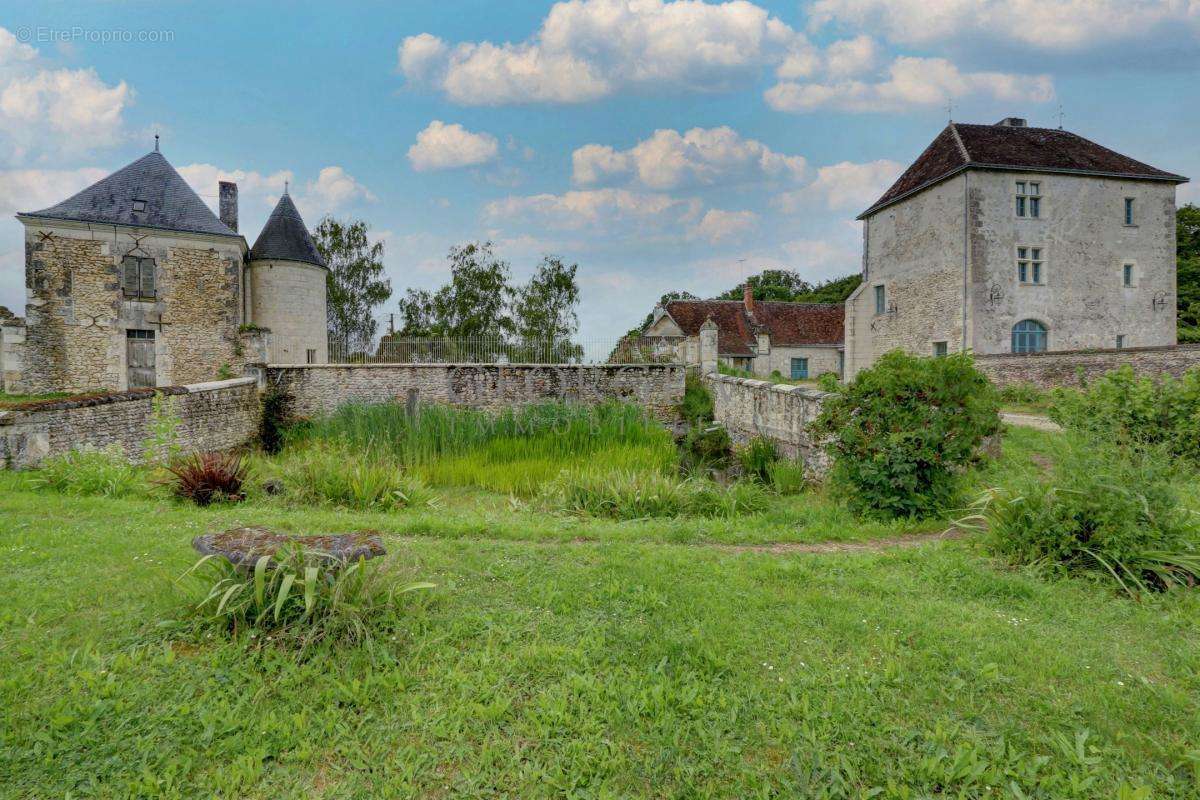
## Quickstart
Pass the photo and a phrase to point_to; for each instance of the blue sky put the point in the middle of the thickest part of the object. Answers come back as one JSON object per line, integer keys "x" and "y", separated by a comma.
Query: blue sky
{"x": 660, "y": 145}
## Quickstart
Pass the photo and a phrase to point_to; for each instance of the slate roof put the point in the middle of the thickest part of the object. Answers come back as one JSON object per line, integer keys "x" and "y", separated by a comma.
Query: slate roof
{"x": 961, "y": 145}
{"x": 789, "y": 324}
{"x": 170, "y": 204}
{"x": 285, "y": 237}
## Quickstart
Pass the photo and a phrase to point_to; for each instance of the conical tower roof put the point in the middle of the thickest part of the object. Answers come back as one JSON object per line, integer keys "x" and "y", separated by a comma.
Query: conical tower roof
{"x": 285, "y": 237}
{"x": 148, "y": 193}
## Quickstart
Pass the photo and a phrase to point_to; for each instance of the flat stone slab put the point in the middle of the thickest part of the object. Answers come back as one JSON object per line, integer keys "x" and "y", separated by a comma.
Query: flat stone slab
{"x": 244, "y": 546}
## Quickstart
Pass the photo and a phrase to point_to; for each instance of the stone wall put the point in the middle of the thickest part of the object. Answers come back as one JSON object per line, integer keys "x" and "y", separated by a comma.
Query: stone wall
{"x": 1064, "y": 368}
{"x": 12, "y": 353}
{"x": 213, "y": 416}
{"x": 321, "y": 388}
{"x": 779, "y": 412}
{"x": 78, "y": 316}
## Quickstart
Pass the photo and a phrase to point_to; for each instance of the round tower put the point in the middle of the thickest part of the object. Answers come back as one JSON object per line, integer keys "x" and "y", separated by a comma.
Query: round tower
{"x": 286, "y": 280}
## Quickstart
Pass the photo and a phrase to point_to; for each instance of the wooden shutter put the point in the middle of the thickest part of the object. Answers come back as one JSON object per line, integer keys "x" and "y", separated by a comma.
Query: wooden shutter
{"x": 147, "y": 265}
{"x": 129, "y": 276}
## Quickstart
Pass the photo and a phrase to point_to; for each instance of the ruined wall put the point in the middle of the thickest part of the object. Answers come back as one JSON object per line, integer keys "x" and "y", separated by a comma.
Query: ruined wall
{"x": 1081, "y": 231}
{"x": 318, "y": 389}
{"x": 779, "y": 412}
{"x": 289, "y": 298}
{"x": 213, "y": 416}
{"x": 1048, "y": 370}
{"x": 914, "y": 249}
{"x": 77, "y": 315}
{"x": 12, "y": 352}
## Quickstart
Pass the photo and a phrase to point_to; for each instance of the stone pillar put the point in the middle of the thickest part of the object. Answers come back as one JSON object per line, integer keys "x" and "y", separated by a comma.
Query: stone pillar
{"x": 12, "y": 355}
{"x": 708, "y": 347}
{"x": 255, "y": 344}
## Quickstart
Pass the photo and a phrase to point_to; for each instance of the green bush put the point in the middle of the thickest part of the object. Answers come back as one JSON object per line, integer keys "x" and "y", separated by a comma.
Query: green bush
{"x": 89, "y": 471}
{"x": 298, "y": 597}
{"x": 696, "y": 407}
{"x": 757, "y": 457}
{"x": 1098, "y": 512}
{"x": 1022, "y": 393}
{"x": 705, "y": 447}
{"x": 632, "y": 495}
{"x": 1135, "y": 413}
{"x": 323, "y": 475}
{"x": 902, "y": 431}
{"x": 829, "y": 381}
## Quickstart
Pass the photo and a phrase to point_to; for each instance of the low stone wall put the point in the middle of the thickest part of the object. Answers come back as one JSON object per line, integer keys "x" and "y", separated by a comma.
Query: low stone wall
{"x": 1064, "y": 368}
{"x": 779, "y": 412}
{"x": 213, "y": 416}
{"x": 314, "y": 389}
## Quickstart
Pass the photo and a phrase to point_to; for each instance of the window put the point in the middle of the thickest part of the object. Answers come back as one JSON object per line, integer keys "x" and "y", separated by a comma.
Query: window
{"x": 1120, "y": 341}
{"x": 1129, "y": 211}
{"x": 139, "y": 206}
{"x": 1127, "y": 275}
{"x": 311, "y": 356}
{"x": 1028, "y": 336}
{"x": 939, "y": 349}
{"x": 1029, "y": 199}
{"x": 1029, "y": 264}
{"x": 137, "y": 277}
{"x": 799, "y": 369}
{"x": 880, "y": 300}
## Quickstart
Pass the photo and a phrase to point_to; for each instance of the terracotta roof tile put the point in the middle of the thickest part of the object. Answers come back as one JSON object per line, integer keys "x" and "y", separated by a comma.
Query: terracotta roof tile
{"x": 789, "y": 324}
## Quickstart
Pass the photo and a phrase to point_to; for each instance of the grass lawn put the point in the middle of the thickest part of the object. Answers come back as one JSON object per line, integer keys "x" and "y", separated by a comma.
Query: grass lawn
{"x": 565, "y": 657}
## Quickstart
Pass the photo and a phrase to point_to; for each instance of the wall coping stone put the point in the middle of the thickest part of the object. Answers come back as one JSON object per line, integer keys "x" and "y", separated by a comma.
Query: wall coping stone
{"x": 783, "y": 388}
{"x": 19, "y": 411}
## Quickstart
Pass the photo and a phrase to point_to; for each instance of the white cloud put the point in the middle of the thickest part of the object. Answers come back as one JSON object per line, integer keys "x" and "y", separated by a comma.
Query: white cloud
{"x": 333, "y": 189}
{"x": 909, "y": 82}
{"x": 253, "y": 187}
{"x": 587, "y": 49}
{"x": 849, "y": 57}
{"x": 46, "y": 111}
{"x": 843, "y": 185}
{"x": 1053, "y": 25}
{"x": 442, "y": 146}
{"x": 701, "y": 156}
{"x": 595, "y": 209}
{"x": 35, "y": 189}
{"x": 717, "y": 225}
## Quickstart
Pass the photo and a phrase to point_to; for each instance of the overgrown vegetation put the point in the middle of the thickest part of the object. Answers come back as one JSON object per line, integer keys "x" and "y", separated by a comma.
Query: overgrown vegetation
{"x": 1135, "y": 413}
{"x": 299, "y": 597}
{"x": 632, "y": 495}
{"x": 1098, "y": 511}
{"x": 332, "y": 475}
{"x": 696, "y": 407}
{"x": 1024, "y": 396}
{"x": 902, "y": 432}
{"x": 90, "y": 471}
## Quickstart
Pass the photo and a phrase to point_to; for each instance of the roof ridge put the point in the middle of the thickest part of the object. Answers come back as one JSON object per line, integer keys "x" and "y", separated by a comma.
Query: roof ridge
{"x": 962, "y": 148}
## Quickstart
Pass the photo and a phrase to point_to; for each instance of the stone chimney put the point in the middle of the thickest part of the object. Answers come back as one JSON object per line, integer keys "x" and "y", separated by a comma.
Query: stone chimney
{"x": 708, "y": 347}
{"x": 1011, "y": 122}
{"x": 227, "y": 190}
{"x": 748, "y": 299}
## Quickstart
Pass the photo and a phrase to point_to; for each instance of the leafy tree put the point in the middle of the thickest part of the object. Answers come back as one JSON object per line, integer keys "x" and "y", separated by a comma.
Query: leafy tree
{"x": 544, "y": 312}
{"x": 1187, "y": 251}
{"x": 787, "y": 286}
{"x": 474, "y": 304}
{"x": 355, "y": 284}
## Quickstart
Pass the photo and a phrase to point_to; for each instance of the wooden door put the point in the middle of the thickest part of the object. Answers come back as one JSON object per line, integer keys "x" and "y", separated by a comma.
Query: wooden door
{"x": 140, "y": 356}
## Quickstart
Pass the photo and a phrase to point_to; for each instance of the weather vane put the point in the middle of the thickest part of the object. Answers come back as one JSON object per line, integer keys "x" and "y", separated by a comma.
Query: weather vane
{"x": 950, "y": 110}
{"x": 1060, "y": 116}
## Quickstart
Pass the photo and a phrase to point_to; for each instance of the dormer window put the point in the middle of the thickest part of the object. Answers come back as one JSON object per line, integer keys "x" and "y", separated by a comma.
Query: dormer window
{"x": 1029, "y": 199}
{"x": 139, "y": 206}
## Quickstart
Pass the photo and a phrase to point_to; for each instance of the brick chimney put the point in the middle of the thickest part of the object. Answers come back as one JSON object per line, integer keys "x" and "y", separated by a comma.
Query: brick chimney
{"x": 228, "y": 204}
{"x": 748, "y": 298}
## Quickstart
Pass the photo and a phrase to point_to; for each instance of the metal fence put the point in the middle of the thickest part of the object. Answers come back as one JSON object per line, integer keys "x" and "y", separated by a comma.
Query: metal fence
{"x": 477, "y": 350}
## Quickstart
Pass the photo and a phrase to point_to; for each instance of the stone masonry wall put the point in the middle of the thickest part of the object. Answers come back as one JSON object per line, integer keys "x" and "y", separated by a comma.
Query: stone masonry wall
{"x": 779, "y": 412}
{"x": 213, "y": 416}
{"x": 77, "y": 315}
{"x": 321, "y": 388}
{"x": 1064, "y": 368}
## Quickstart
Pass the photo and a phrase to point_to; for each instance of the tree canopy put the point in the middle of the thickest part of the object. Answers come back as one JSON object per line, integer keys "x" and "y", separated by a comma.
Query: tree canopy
{"x": 1187, "y": 251}
{"x": 355, "y": 285}
{"x": 787, "y": 286}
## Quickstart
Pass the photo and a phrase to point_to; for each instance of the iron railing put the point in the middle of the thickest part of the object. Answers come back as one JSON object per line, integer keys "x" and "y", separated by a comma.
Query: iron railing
{"x": 393, "y": 349}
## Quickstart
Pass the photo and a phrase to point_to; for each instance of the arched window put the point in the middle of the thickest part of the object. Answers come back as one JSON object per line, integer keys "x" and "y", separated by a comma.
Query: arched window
{"x": 1028, "y": 336}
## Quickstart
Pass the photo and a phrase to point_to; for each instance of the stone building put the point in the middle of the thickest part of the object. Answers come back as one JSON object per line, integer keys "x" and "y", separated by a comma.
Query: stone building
{"x": 797, "y": 340}
{"x": 134, "y": 282}
{"x": 1005, "y": 238}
